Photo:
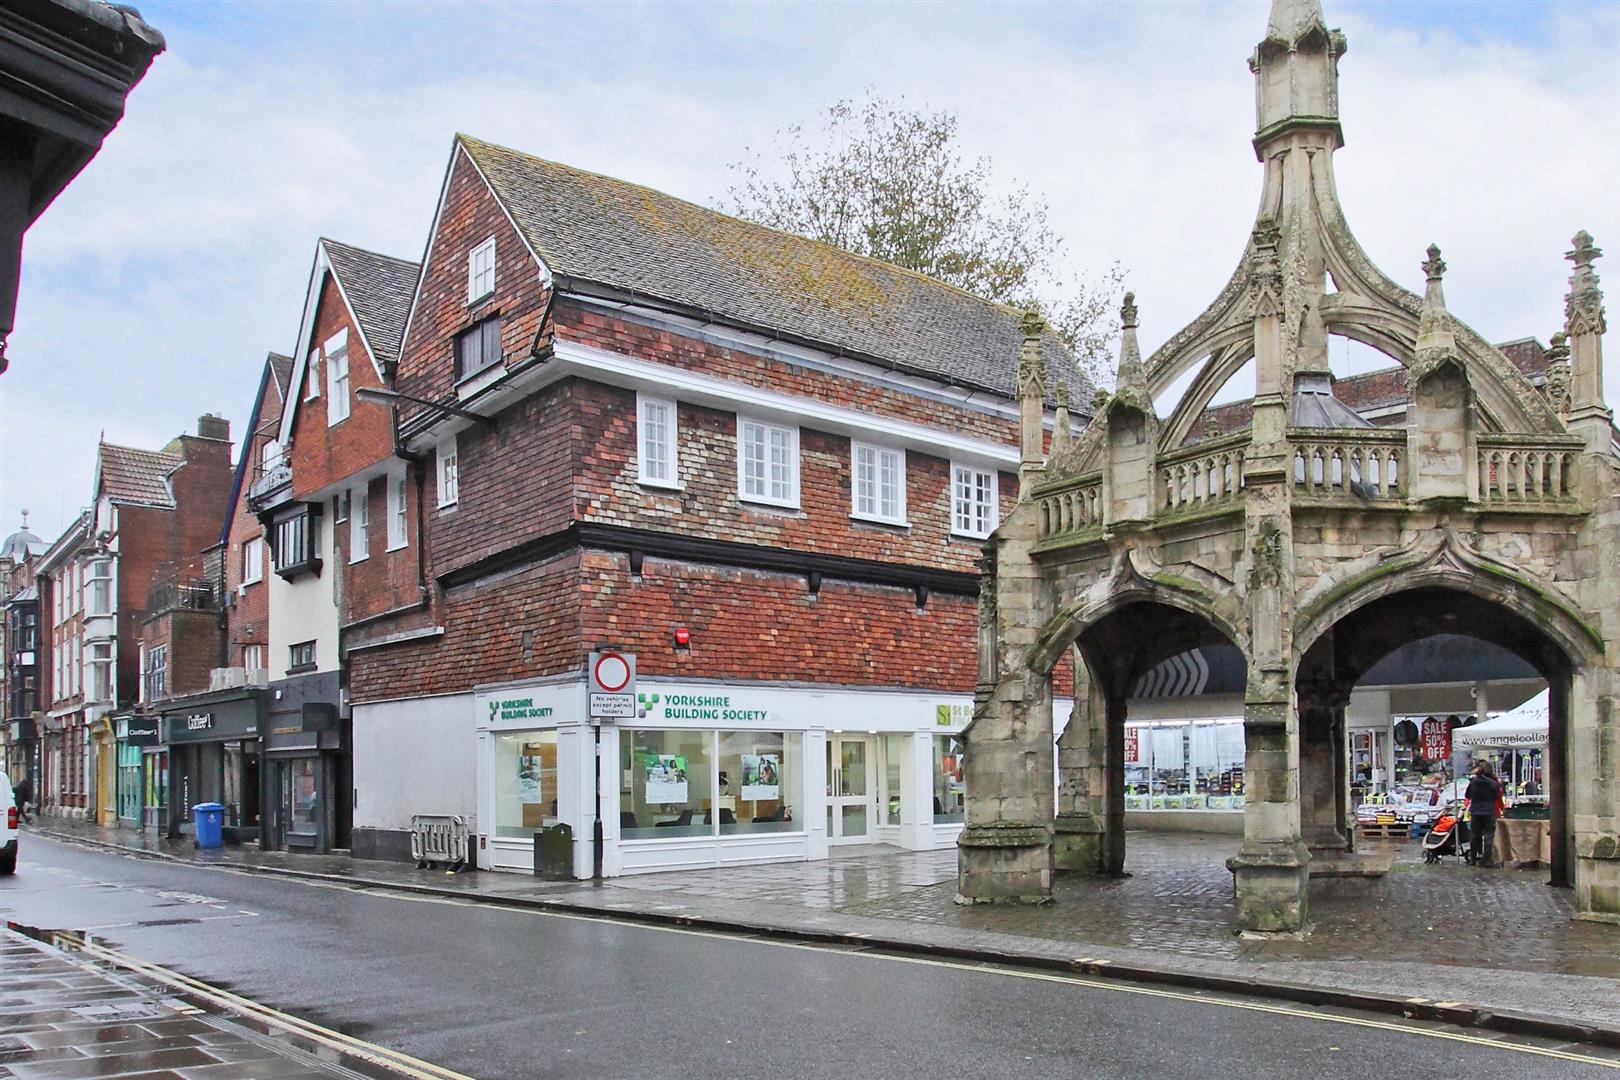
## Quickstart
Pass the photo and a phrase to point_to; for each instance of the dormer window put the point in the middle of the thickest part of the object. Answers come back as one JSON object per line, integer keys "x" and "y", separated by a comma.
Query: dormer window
{"x": 481, "y": 271}
{"x": 295, "y": 543}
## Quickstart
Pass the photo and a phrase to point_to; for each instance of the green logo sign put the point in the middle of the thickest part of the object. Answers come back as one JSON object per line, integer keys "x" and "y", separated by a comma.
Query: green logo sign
{"x": 517, "y": 709}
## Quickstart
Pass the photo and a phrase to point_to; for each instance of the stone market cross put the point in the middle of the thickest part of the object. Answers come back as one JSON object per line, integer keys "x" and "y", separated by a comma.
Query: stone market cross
{"x": 1313, "y": 542}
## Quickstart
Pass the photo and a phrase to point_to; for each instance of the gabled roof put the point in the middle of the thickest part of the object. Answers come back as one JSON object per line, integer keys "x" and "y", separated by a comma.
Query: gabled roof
{"x": 265, "y": 419}
{"x": 378, "y": 288}
{"x": 605, "y": 236}
{"x": 128, "y": 475}
{"x": 377, "y": 291}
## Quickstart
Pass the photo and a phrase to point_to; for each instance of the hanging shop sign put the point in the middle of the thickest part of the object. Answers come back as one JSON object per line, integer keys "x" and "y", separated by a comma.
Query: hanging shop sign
{"x": 138, "y": 731}
{"x": 1436, "y": 739}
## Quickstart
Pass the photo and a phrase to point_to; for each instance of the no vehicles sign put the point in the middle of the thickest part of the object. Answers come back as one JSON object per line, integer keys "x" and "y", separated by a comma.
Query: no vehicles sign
{"x": 612, "y": 685}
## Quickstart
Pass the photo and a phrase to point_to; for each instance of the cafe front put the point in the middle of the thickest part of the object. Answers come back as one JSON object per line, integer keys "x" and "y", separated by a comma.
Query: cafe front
{"x": 139, "y": 738}
{"x": 716, "y": 774}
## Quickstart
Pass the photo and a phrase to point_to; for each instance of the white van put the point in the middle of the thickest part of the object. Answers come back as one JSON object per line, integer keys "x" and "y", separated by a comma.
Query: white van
{"x": 9, "y": 813}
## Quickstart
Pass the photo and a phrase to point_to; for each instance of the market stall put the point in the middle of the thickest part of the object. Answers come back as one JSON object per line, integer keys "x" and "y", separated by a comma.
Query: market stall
{"x": 1516, "y": 744}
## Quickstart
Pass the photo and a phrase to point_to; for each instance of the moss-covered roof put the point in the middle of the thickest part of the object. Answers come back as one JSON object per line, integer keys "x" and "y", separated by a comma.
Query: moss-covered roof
{"x": 594, "y": 229}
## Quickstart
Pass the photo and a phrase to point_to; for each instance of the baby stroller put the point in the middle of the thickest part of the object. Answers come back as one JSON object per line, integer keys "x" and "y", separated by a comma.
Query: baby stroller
{"x": 1448, "y": 835}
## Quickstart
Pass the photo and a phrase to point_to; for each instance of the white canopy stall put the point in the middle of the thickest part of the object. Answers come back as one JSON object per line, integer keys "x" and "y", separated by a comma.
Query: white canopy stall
{"x": 1523, "y": 727}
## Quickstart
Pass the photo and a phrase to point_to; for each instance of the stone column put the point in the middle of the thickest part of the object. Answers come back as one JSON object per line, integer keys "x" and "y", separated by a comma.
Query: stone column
{"x": 1323, "y": 775}
{"x": 1271, "y": 870}
{"x": 1082, "y": 838}
{"x": 1005, "y": 850}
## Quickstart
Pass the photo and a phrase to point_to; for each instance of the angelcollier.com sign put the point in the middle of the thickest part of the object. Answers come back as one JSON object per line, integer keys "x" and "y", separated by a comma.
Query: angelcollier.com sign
{"x": 502, "y": 710}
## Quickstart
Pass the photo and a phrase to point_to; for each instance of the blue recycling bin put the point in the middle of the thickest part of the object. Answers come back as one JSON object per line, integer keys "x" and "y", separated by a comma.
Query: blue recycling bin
{"x": 210, "y": 824}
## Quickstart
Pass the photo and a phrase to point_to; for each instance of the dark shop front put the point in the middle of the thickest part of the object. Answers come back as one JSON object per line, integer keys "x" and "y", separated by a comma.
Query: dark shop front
{"x": 213, "y": 743}
{"x": 308, "y": 800}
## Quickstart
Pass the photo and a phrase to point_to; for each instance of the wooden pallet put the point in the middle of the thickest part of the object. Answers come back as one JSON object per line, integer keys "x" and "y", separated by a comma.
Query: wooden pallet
{"x": 1397, "y": 831}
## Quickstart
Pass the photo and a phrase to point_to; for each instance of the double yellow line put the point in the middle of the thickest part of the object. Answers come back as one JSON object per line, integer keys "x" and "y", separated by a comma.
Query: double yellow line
{"x": 348, "y": 1045}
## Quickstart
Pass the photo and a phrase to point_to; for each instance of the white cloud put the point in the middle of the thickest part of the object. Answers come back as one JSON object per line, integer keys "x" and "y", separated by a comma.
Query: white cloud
{"x": 161, "y": 277}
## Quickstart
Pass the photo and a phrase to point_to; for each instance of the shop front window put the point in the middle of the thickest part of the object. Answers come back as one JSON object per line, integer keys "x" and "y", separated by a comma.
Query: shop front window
{"x": 157, "y": 783}
{"x": 1184, "y": 765}
{"x": 129, "y": 781}
{"x": 665, "y": 784}
{"x": 950, "y": 793}
{"x": 525, "y": 782}
{"x": 891, "y": 749}
{"x": 300, "y": 796}
{"x": 759, "y": 782}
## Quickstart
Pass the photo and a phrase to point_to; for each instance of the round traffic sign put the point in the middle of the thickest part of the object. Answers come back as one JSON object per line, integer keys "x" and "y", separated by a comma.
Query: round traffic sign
{"x": 612, "y": 672}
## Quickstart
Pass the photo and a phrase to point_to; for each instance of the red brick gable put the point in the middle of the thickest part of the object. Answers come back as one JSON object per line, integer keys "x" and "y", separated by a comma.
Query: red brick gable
{"x": 469, "y": 214}
{"x": 323, "y": 454}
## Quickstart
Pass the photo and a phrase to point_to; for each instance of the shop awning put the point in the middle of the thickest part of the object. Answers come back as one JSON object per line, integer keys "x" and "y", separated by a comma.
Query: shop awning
{"x": 1524, "y": 726}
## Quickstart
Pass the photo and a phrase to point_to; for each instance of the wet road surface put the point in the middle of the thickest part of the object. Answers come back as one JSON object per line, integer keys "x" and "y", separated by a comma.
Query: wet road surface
{"x": 492, "y": 992}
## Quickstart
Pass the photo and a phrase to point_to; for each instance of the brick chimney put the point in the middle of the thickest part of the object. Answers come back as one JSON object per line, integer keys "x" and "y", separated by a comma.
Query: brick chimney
{"x": 213, "y": 426}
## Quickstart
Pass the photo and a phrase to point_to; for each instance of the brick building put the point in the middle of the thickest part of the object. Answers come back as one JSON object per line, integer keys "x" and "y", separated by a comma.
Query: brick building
{"x": 339, "y": 512}
{"x": 151, "y": 515}
{"x": 198, "y": 733}
{"x": 764, "y": 466}
{"x": 22, "y": 654}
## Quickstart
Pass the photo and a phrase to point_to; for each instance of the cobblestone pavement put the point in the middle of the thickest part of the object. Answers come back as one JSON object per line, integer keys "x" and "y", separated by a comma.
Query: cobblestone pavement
{"x": 1501, "y": 938}
{"x": 65, "y": 1020}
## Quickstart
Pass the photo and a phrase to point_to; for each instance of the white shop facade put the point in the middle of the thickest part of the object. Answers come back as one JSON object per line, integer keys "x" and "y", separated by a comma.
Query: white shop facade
{"x": 714, "y": 774}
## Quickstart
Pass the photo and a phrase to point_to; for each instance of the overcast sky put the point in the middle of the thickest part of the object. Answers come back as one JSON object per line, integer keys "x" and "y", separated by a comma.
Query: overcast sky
{"x": 154, "y": 286}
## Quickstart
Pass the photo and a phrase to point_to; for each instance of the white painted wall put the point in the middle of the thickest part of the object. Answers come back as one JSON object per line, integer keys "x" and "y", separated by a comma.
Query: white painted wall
{"x": 414, "y": 757}
{"x": 305, "y": 609}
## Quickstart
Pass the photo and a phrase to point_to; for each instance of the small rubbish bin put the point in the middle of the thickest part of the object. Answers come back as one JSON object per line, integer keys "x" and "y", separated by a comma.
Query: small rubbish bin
{"x": 554, "y": 852}
{"x": 210, "y": 824}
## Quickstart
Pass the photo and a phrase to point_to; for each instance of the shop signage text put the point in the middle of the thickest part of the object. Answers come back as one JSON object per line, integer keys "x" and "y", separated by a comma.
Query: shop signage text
{"x": 707, "y": 707}
{"x": 949, "y": 715}
{"x": 517, "y": 709}
{"x": 199, "y": 721}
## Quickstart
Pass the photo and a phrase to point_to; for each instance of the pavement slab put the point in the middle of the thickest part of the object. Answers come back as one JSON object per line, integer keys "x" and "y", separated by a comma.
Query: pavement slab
{"x": 81, "y": 1022}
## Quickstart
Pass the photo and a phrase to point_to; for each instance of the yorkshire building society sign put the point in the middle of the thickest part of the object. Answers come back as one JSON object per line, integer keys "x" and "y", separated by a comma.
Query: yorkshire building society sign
{"x": 516, "y": 708}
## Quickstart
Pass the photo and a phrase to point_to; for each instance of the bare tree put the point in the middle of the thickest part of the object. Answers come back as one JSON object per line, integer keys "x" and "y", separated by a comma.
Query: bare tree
{"x": 883, "y": 179}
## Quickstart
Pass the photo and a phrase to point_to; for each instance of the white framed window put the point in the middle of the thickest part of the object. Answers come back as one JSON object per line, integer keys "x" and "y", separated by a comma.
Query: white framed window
{"x": 397, "y": 533}
{"x": 77, "y": 671}
{"x": 100, "y": 661}
{"x": 252, "y": 561}
{"x": 359, "y": 524}
{"x": 974, "y": 505}
{"x": 481, "y": 271}
{"x": 337, "y": 377}
{"x": 767, "y": 463}
{"x": 877, "y": 483}
{"x": 656, "y": 438}
{"x": 297, "y": 536}
{"x": 156, "y": 673}
{"x": 253, "y": 657}
{"x": 340, "y": 508}
{"x": 449, "y": 472}
{"x": 100, "y": 588}
{"x": 312, "y": 377}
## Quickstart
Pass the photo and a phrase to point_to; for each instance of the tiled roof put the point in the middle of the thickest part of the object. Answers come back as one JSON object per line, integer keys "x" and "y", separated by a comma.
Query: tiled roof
{"x": 379, "y": 288}
{"x": 269, "y": 417}
{"x": 1371, "y": 390}
{"x": 593, "y": 229}
{"x": 136, "y": 476}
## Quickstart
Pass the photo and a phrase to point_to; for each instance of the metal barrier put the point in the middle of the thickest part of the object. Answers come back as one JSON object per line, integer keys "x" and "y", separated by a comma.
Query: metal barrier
{"x": 439, "y": 838}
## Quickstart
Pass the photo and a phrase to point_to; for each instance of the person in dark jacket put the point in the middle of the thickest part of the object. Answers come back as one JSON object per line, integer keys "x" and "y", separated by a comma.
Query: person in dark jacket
{"x": 23, "y": 793}
{"x": 1484, "y": 794}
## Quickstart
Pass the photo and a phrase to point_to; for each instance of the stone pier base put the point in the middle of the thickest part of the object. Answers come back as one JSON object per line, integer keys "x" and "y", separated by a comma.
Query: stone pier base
{"x": 1009, "y": 864}
{"x": 1080, "y": 842}
{"x": 1597, "y": 877}
{"x": 1273, "y": 886}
